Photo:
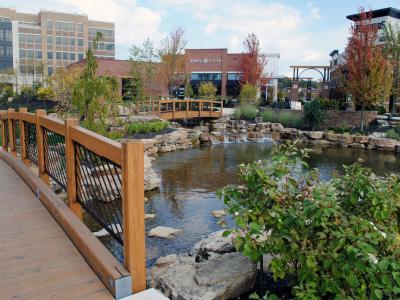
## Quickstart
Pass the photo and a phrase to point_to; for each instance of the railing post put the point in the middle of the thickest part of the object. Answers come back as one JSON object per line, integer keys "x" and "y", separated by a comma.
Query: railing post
{"x": 159, "y": 108}
{"x": 70, "y": 158}
{"x": 133, "y": 212}
{"x": 3, "y": 130}
{"x": 222, "y": 107}
{"x": 22, "y": 138}
{"x": 40, "y": 147}
{"x": 11, "y": 138}
{"x": 173, "y": 109}
{"x": 211, "y": 108}
{"x": 187, "y": 109}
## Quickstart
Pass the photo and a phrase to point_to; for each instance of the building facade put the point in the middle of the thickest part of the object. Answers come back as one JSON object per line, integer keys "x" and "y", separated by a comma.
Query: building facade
{"x": 224, "y": 71}
{"x": 33, "y": 46}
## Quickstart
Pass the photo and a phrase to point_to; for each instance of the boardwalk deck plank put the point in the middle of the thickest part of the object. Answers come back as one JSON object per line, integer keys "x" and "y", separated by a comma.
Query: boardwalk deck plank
{"x": 37, "y": 260}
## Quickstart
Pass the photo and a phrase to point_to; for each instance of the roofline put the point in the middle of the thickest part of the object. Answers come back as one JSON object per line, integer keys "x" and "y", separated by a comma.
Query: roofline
{"x": 383, "y": 12}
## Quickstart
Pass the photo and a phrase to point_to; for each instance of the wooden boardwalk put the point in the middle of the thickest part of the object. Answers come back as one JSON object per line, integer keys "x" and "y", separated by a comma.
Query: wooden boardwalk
{"x": 37, "y": 259}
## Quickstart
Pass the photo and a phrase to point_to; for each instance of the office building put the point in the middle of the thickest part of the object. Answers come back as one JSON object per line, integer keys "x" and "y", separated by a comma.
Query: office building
{"x": 35, "y": 45}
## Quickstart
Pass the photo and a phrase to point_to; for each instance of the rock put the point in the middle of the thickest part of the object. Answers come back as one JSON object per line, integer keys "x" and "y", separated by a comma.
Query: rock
{"x": 258, "y": 119}
{"x": 345, "y": 138}
{"x": 314, "y": 135}
{"x": 218, "y": 136}
{"x": 220, "y": 126}
{"x": 101, "y": 171}
{"x": 223, "y": 277}
{"x": 218, "y": 213}
{"x": 331, "y": 136}
{"x": 276, "y": 127}
{"x": 148, "y": 143}
{"x": 212, "y": 244}
{"x": 321, "y": 143}
{"x": 398, "y": 148}
{"x": 163, "y": 232}
{"x": 203, "y": 129}
{"x": 151, "y": 179}
{"x": 167, "y": 260}
{"x": 149, "y": 216}
{"x": 206, "y": 138}
{"x": 361, "y": 139}
{"x": 382, "y": 143}
{"x": 288, "y": 133}
{"x": 357, "y": 145}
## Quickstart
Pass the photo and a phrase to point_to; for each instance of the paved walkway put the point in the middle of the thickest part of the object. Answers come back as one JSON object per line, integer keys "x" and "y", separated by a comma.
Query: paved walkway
{"x": 37, "y": 260}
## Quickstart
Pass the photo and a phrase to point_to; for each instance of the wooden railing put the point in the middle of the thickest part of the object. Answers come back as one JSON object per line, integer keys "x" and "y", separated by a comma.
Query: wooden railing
{"x": 182, "y": 109}
{"x": 81, "y": 162}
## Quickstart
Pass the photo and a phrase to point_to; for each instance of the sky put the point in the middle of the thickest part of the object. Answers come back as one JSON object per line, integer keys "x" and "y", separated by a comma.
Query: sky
{"x": 302, "y": 31}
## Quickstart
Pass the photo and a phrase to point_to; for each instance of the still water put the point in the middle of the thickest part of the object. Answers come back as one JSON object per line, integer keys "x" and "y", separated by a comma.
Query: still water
{"x": 190, "y": 179}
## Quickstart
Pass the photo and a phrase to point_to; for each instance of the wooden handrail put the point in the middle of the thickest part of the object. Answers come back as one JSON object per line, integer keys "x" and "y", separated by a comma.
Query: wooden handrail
{"x": 129, "y": 156}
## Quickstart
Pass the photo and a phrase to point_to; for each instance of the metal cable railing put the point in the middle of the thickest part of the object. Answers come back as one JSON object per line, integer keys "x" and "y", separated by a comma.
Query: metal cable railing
{"x": 98, "y": 188}
{"x": 7, "y": 138}
{"x": 17, "y": 135}
{"x": 54, "y": 157}
{"x": 31, "y": 142}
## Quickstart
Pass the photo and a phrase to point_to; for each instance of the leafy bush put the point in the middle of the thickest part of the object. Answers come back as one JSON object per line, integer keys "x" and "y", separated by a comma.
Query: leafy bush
{"x": 314, "y": 114}
{"x": 280, "y": 105}
{"x": 394, "y": 133}
{"x": 207, "y": 90}
{"x": 115, "y": 135}
{"x": 6, "y": 92}
{"x": 26, "y": 93}
{"x": 247, "y": 112}
{"x": 248, "y": 94}
{"x": 286, "y": 118}
{"x": 45, "y": 93}
{"x": 146, "y": 127}
{"x": 328, "y": 240}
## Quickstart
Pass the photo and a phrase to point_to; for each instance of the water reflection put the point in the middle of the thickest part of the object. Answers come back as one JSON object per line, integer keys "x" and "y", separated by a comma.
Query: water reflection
{"x": 190, "y": 179}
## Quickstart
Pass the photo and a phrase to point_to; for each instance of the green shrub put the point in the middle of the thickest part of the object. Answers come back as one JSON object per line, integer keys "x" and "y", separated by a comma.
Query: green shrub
{"x": 116, "y": 135}
{"x": 26, "y": 93}
{"x": 314, "y": 114}
{"x": 6, "y": 92}
{"x": 146, "y": 127}
{"x": 45, "y": 93}
{"x": 207, "y": 90}
{"x": 392, "y": 134}
{"x": 248, "y": 94}
{"x": 286, "y": 118}
{"x": 248, "y": 112}
{"x": 329, "y": 240}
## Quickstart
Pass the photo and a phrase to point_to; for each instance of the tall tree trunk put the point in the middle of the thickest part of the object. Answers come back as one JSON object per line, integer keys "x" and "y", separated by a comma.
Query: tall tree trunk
{"x": 362, "y": 118}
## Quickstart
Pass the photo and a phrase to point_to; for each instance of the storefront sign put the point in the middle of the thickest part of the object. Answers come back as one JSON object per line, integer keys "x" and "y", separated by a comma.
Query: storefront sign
{"x": 205, "y": 60}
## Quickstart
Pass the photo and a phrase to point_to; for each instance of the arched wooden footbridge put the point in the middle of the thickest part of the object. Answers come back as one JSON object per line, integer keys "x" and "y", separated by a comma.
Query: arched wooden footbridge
{"x": 46, "y": 250}
{"x": 182, "y": 109}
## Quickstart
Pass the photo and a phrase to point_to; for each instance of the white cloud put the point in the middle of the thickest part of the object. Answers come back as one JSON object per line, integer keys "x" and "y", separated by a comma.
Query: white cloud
{"x": 133, "y": 22}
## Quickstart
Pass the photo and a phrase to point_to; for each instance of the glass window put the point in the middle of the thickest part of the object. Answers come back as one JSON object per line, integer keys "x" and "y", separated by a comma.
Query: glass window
{"x": 50, "y": 70}
{"x": 58, "y": 26}
{"x": 59, "y": 55}
{"x": 79, "y": 27}
{"x": 64, "y": 26}
{"x": 49, "y": 55}
{"x": 38, "y": 39}
{"x": 231, "y": 76}
{"x": 22, "y": 38}
{"x": 2, "y": 50}
{"x": 58, "y": 41}
{"x": 80, "y": 56}
{"x": 65, "y": 55}
{"x": 49, "y": 40}
{"x": 80, "y": 42}
{"x": 102, "y": 46}
{"x": 72, "y": 56}
{"x": 8, "y": 51}
{"x": 49, "y": 24}
{"x": 22, "y": 53}
{"x": 64, "y": 41}
{"x": 72, "y": 41}
{"x": 71, "y": 27}
{"x": 110, "y": 47}
{"x": 30, "y": 53}
{"x": 38, "y": 54}
{"x": 194, "y": 76}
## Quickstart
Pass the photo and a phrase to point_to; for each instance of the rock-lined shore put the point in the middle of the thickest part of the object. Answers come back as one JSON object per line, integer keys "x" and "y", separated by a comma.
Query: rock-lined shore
{"x": 225, "y": 130}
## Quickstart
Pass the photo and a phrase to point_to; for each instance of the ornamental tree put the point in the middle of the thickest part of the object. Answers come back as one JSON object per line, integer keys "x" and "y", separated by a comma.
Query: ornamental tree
{"x": 252, "y": 61}
{"x": 392, "y": 53}
{"x": 368, "y": 74}
{"x": 207, "y": 90}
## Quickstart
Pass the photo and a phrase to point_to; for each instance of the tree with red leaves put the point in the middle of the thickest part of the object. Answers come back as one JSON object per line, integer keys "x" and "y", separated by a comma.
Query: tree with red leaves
{"x": 252, "y": 61}
{"x": 368, "y": 75}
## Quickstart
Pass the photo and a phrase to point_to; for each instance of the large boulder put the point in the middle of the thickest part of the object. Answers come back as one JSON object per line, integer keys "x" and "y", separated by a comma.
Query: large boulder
{"x": 206, "y": 138}
{"x": 345, "y": 139}
{"x": 276, "y": 127}
{"x": 163, "y": 232}
{"x": 223, "y": 277}
{"x": 361, "y": 139}
{"x": 314, "y": 135}
{"x": 151, "y": 180}
{"x": 382, "y": 143}
{"x": 214, "y": 243}
{"x": 333, "y": 137}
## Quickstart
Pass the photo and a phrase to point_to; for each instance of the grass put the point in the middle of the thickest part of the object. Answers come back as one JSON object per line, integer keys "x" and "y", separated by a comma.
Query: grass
{"x": 286, "y": 118}
{"x": 146, "y": 127}
{"x": 393, "y": 134}
{"x": 246, "y": 112}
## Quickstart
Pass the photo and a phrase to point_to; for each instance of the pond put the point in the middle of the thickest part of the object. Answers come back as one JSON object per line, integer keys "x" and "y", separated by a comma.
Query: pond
{"x": 191, "y": 177}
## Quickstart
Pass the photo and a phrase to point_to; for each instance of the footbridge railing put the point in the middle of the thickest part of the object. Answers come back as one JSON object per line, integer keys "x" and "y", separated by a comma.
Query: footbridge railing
{"x": 183, "y": 109}
{"x": 100, "y": 176}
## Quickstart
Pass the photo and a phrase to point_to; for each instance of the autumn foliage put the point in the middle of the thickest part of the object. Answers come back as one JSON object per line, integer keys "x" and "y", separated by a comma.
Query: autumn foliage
{"x": 252, "y": 61}
{"x": 368, "y": 76}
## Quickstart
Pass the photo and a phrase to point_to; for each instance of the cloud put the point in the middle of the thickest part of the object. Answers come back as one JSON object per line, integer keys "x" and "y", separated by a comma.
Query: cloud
{"x": 133, "y": 22}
